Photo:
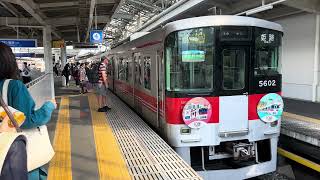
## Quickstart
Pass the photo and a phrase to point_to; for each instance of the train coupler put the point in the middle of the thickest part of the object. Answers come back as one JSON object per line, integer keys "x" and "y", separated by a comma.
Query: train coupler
{"x": 241, "y": 151}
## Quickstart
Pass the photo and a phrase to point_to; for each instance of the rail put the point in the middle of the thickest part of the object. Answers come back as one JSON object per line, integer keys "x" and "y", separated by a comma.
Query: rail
{"x": 37, "y": 80}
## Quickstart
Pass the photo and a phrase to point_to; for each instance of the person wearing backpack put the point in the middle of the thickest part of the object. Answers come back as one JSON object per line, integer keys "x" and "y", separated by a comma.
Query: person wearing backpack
{"x": 94, "y": 74}
{"x": 26, "y": 73}
{"x": 102, "y": 85}
{"x": 66, "y": 73}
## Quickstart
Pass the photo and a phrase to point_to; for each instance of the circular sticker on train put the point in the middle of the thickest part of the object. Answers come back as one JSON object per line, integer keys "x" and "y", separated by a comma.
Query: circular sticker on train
{"x": 270, "y": 107}
{"x": 197, "y": 112}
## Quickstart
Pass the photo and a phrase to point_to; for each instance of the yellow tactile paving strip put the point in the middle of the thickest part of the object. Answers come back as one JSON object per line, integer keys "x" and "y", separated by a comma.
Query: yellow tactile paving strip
{"x": 60, "y": 165}
{"x": 111, "y": 164}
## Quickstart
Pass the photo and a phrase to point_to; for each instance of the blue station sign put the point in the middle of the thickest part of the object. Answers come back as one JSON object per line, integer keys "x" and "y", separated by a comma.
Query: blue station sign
{"x": 28, "y": 43}
{"x": 96, "y": 36}
{"x": 25, "y": 55}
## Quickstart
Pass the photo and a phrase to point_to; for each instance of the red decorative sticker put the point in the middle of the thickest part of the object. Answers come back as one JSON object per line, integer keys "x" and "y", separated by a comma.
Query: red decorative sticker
{"x": 197, "y": 112}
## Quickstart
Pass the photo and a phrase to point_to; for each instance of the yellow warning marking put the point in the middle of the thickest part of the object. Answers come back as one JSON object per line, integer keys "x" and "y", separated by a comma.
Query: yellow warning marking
{"x": 69, "y": 96}
{"x": 299, "y": 159}
{"x": 301, "y": 118}
{"x": 60, "y": 165}
{"x": 111, "y": 163}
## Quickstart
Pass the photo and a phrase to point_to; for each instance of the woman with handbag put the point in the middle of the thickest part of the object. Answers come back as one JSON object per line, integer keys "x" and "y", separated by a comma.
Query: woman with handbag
{"x": 19, "y": 98}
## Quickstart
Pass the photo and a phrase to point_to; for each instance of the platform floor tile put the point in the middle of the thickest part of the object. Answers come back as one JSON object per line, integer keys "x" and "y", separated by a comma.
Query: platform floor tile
{"x": 147, "y": 155}
{"x": 302, "y": 128}
{"x": 116, "y": 145}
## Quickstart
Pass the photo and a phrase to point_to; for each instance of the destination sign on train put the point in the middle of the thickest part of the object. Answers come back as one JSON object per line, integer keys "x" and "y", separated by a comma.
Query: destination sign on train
{"x": 267, "y": 38}
{"x": 193, "y": 56}
{"x": 235, "y": 33}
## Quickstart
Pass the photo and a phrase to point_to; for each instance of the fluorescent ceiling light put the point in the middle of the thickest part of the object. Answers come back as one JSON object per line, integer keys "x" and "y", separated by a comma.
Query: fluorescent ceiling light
{"x": 258, "y": 9}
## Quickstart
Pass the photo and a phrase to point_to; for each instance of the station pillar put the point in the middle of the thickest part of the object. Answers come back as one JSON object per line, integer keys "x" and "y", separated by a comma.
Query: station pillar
{"x": 316, "y": 63}
{"x": 56, "y": 57}
{"x": 47, "y": 39}
{"x": 63, "y": 62}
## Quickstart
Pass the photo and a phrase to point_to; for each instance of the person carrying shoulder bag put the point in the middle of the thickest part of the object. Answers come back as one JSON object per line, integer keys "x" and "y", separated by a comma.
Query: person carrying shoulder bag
{"x": 19, "y": 98}
{"x": 15, "y": 161}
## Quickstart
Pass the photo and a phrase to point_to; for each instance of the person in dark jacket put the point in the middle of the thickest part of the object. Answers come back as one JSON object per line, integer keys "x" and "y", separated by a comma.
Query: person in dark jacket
{"x": 66, "y": 73}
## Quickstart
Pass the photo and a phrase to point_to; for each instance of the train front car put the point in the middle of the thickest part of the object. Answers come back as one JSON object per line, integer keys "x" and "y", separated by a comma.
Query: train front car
{"x": 222, "y": 89}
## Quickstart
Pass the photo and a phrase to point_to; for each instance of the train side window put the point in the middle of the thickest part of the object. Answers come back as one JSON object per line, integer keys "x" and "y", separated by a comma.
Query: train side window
{"x": 147, "y": 73}
{"x": 127, "y": 70}
{"x": 109, "y": 67}
{"x": 233, "y": 69}
{"x": 136, "y": 69}
{"x": 120, "y": 68}
{"x": 140, "y": 71}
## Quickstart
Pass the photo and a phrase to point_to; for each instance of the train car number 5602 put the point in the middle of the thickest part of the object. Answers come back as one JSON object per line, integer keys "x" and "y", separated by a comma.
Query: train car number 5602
{"x": 267, "y": 83}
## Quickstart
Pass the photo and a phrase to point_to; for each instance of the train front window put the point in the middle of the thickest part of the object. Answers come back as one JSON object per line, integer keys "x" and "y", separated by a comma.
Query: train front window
{"x": 234, "y": 61}
{"x": 189, "y": 60}
{"x": 267, "y": 50}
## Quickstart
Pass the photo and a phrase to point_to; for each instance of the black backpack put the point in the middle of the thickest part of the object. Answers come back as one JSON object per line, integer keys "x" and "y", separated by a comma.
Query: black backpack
{"x": 26, "y": 71}
{"x": 94, "y": 74}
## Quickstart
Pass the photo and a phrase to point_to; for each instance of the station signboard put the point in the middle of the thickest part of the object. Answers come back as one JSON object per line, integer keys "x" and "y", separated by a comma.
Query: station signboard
{"x": 27, "y": 43}
{"x": 25, "y": 55}
{"x": 96, "y": 36}
{"x": 58, "y": 44}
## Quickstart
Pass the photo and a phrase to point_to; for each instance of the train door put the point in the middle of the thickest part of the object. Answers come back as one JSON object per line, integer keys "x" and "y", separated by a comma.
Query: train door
{"x": 233, "y": 101}
{"x": 136, "y": 82}
{"x": 160, "y": 92}
{"x": 111, "y": 73}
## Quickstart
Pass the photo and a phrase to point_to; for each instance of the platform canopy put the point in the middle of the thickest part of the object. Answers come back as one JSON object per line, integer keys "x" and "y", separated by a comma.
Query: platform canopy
{"x": 72, "y": 20}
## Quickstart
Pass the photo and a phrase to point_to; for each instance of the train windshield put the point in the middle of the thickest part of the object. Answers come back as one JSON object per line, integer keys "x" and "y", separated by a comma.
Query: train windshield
{"x": 189, "y": 60}
{"x": 267, "y": 50}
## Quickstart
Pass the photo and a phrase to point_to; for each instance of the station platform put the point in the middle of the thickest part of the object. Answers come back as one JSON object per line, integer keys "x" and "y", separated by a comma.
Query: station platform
{"x": 301, "y": 121}
{"x": 116, "y": 145}
{"x": 300, "y": 140}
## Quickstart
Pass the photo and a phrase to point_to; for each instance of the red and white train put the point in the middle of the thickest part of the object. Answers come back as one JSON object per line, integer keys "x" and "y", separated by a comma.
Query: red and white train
{"x": 211, "y": 87}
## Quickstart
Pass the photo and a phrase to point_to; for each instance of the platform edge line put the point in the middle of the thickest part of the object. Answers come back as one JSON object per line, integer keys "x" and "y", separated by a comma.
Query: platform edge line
{"x": 299, "y": 159}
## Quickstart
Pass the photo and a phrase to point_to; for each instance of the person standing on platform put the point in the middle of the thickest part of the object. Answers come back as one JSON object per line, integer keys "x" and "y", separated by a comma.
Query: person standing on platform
{"x": 102, "y": 86}
{"x": 55, "y": 69}
{"x": 26, "y": 73}
{"x": 19, "y": 98}
{"x": 76, "y": 73}
{"x": 83, "y": 79}
{"x": 66, "y": 73}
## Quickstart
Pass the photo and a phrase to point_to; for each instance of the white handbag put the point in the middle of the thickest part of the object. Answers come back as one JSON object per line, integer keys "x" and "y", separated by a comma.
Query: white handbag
{"x": 39, "y": 148}
{"x": 6, "y": 140}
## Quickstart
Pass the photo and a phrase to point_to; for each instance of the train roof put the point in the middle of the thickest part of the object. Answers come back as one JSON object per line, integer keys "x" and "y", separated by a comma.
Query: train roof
{"x": 220, "y": 20}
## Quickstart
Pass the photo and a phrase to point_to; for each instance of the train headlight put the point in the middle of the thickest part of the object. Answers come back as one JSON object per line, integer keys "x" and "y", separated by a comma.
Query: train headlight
{"x": 274, "y": 123}
{"x": 185, "y": 130}
{"x": 270, "y": 108}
